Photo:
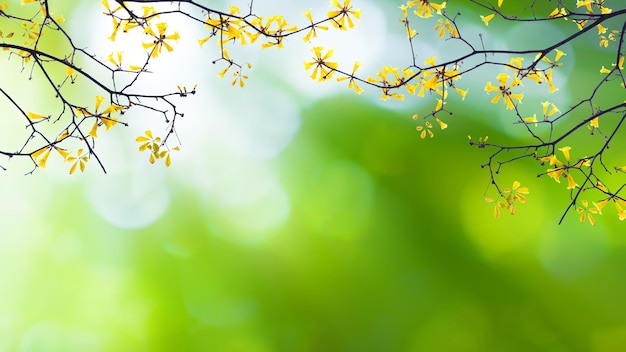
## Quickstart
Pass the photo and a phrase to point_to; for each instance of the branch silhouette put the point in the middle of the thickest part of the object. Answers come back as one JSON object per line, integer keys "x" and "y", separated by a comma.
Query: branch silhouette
{"x": 593, "y": 171}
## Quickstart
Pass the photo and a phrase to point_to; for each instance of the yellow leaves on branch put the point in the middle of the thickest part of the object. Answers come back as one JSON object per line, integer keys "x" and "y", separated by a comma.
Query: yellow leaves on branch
{"x": 426, "y": 129}
{"x": 504, "y": 91}
{"x": 487, "y": 18}
{"x": 587, "y": 211}
{"x": 103, "y": 118}
{"x": 40, "y": 156}
{"x": 446, "y": 27}
{"x": 156, "y": 46}
{"x": 156, "y": 146}
{"x": 312, "y": 33}
{"x": 549, "y": 109}
{"x": 589, "y": 7}
{"x": 36, "y": 117}
{"x": 426, "y": 8}
{"x": 352, "y": 84}
{"x": 344, "y": 14}
{"x": 322, "y": 68}
{"x": 79, "y": 160}
{"x": 508, "y": 198}
{"x": 562, "y": 169}
{"x": 117, "y": 62}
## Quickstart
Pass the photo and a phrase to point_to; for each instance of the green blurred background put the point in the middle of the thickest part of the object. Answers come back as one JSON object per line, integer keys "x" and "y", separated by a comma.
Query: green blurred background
{"x": 299, "y": 217}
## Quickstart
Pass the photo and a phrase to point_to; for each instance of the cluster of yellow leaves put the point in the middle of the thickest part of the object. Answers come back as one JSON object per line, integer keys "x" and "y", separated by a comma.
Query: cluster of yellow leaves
{"x": 116, "y": 60}
{"x": 322, "y": 68}
{"x": 32, "y": 30}
{"x": 549, "y": 109}
{"x": 433, "y": 78}
{"x": 426, "y": 8}
{"x": 587, "y": 211}
{"x": 564, "y": 169}
{"x": 77, "y": 160}
{"x": 427, "y": 128}
{"x": 161, "y": 38}
{"x": 156, "y": 146}
{"x": 504, "y": 88}
{"x": 352, "y": 83}
{"x": 489, "y": 17}
{"x": 101, "y": 118}
{"x": 589, "y": 6}
{"x": 343, "y": 14}
{"x": 232, "y": 28}
{"x": 508, "y": 198}
{"x": 130, "y": 23}
{"x": 40, "y": 156}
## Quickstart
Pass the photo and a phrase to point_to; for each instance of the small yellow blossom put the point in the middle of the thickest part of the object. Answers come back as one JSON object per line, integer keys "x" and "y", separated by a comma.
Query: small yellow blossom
{"x": 487, "y": 18}
{"x": 345, "y": 13}
{"x": 504, "y": 91}
{"x": 156, "y": 147}
{"x": 509, "y": 197}
{"x": 322, "y": 68}
{"x": 587, "y": 212}
{"x": 352, "y": 84}
{"x": 312, "y": 33}
{"x": 425, "y": 8}
{"x": 80, "y": 160}
{"x": 156, "y": 46}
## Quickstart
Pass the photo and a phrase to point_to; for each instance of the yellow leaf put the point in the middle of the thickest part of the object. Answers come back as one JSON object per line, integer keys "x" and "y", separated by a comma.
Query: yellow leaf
{"x": 64, "y": 153}
{"x": 33, "y": 116}
{"x": 63, "y": 135}
{"x": 487, "y": 18}
{"x": 94, "y": 130}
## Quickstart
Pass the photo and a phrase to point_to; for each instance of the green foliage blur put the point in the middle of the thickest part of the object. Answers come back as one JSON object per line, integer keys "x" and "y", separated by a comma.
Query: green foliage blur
{"x": 356, "y": 236}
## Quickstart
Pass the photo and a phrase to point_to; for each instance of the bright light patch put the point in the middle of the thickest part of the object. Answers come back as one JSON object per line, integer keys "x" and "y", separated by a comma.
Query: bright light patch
{"x": 130, "y": 200}
{"x": 247, "y": 204}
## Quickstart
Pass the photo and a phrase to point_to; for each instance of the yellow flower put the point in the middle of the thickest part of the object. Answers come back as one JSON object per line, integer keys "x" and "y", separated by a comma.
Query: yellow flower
{"x": 509, "y": 197}
{"x": 159, "y": 39}
{"x": 586, "y": 212}
{"x": 405, "y": 21}
{"x": 323, "y": 69}
{"x": 339, "y": 17}
{"x": 352, "y": 84}
{"x": 504, "y": 91}
{"x": 426, "y": 130}
{"x": 101, "y": 118}
{"x": 553, "y": 109}
{"x": 80, "y": 160}
{"x": 444, "y": 26}
{"x": 110, "y": 13}
{"x": 487, "y": 18}
{"x": 425, "y": 8}
{"x": 36, "y": 117}
{"x": 312, "y": 33}
{"x": 563, "y": 169}
{"x": 558, "y": 13}
{"x": 155, "y": 146}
